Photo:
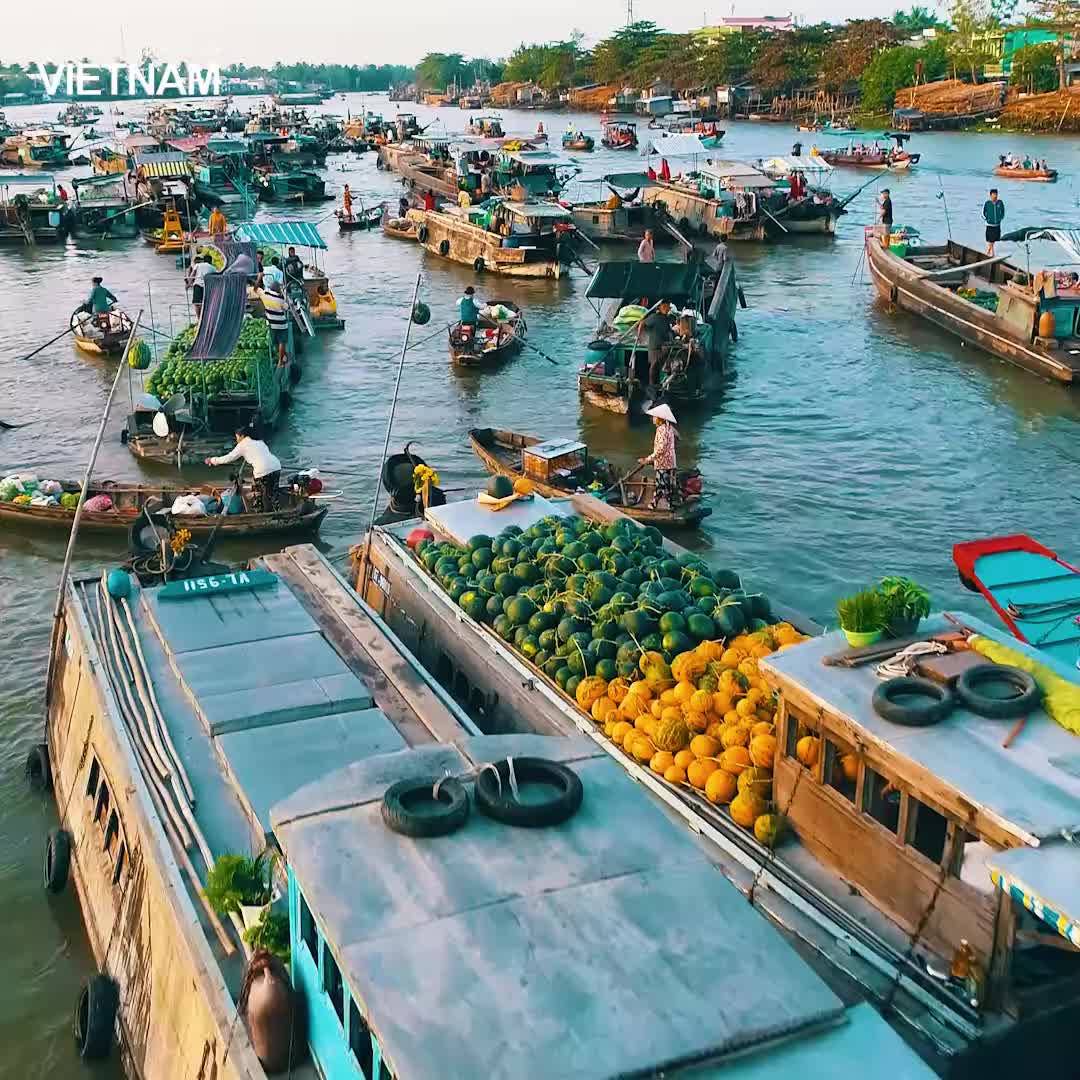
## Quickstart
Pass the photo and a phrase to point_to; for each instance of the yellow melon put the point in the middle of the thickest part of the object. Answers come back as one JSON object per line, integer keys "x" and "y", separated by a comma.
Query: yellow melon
{"x": 716, "y": 730}
{"x": 767, "y": 829}
{"x": 759, "y": 781}
{"x": 589, "y": 690}
{"x": 602, "y": 708}
{"x": 671, "y": 733}
{"x": 685, "y": 758}
{"x": 807, "y": 750}
{"x": 849, "y": 765}
{"x": 763, "y": 727}
{"x": 731, "y": 657}
{"x": 697, "y": 722}
{"x": 683, "y": 692}
{"x": 641, "y": 689}
{"x": 633, "y": 705}
{"x": 618, "y": 689}
{"x": 745, "y": 708}
{"x": 721, "y": 787}
{"x": 711, "y": 650}
{"x": 610, "y": 724}
{"x": 703, "y": 746}
{"x": 763, "y": 750}
{"x": 699, "y": 772}
{"x": 736, "y": 759}
{"x": 620, "y": 731}
{"x": 731, "y": 717}
{"x": 764, "y": 716}
{"x": 748, "y": 667}
{"x": 722, "y": 703}
{"x": 700, "y": 700}
{"x": 642, "y": 748}
{"x": 668, "y": 697}
{"x": 746, "y": 808}
{"x": 734, "y": 736}
{"x": 675, "y": 775}
{"x": 656, "y": 707}
{"x": 661, "y": 761}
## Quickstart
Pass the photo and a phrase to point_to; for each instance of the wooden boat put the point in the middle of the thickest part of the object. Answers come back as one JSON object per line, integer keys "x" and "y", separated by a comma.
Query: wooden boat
{"x": 615, "y": 374}
{"x": 491, "y": 341}
{"x": 36, "y": 148}
{"x": 370, "y": 218}
{"x": 516, "y": 239}
{"x": 559, "y": 467}
{"x": 295, "y": 514}
{"x": 486, "y": 127}
{"x": 833, "y": 882}
{"x": 402, "y": 228}
{"x": 105, "y": 334}
{"x": 1046, "y": 176}
{"x": 170, "y": 239}
{"x": 1034, "y": 593}
{"x": 619, "y": 136}
{"x": 990, "y": 304}
{"x": 104, "y": 206}
{"x": 873, "y": 155}
{"x": 578, "y": 142}
{"x": 33, "y": 215}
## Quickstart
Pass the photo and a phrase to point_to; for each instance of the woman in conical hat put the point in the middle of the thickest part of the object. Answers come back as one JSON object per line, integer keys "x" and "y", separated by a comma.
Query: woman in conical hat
{"x": 663, "y": 456}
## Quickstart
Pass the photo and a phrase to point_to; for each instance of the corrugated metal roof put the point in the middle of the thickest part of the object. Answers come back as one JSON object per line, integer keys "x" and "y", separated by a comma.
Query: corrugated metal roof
{"x": 169, "y": 163}
{"x": 283, "y": 232}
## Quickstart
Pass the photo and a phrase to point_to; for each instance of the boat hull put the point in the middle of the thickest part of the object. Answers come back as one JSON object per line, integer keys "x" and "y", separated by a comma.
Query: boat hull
{"x": 903, "y": 286}
{"x": 1043, "y": 176}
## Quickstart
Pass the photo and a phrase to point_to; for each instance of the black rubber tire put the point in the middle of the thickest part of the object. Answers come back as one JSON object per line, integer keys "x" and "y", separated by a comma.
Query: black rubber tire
{"x": 57, "y": 860}
{"x": 95, "y": 1017}
{"x": 442, "y": 816}
{"x": 444, "y": 247}
{"x": 422, "y": 234}
{"x": 502, "y": 807}
{"x": 38, "y": 771}
{"x": 939, "y": 705}
{"x": 1027, "y": 697}
{"x": 478, "y": 264}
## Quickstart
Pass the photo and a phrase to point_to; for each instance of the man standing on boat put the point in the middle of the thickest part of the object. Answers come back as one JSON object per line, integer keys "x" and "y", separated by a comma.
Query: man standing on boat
{"x": 99, "y": 302}
{"x": 218, "y": 223}
{"x": 655, "y": 329}
{"x": 265, "y": 467}
{"x": 993, "y": 215}
{"x": 885, "y": 208}
{"x": 348, "y": 203}
{"x": 663, "y": 456}
{"x": 201, "y": 269}
{"x": 646, "y": 252}
{"x": 294, "y": 268}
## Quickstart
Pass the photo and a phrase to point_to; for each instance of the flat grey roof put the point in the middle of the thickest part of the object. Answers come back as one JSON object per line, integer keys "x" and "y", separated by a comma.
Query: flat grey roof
{"x": 607, "y": 946}
{"x": 1048, "y": 878}
{"x": 1032, "y": 787}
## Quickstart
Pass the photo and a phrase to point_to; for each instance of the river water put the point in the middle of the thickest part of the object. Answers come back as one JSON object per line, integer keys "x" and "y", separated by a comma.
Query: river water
{"x": 849, "y": 442}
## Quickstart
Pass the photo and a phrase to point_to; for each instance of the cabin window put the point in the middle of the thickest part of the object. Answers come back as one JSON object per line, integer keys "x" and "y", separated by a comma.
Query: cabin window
{"x": 960, "y": 853}
{"x": 333, "y": 985}
{"x": 926, "y": 830}
{"x": 308, "y": 934}
{"x": 112, "y": 832}
{"x": 596, "y": 219}
{"x": 881, "y": 799}
{"x": 359, "y": 1039}
{"x": 101, "y": 808}
{"x": 121, "y": 861}
{"x": 93, "y": 778}
{"x": 841, "y": 767}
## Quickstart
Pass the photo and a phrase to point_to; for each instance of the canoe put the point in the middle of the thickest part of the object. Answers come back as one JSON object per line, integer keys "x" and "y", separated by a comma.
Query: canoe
{"x": 491, "y": 342}
{"x": 366, "y": 219}
{"x": 296, "y": 514}
{"x": 578, "y": 144}
{"x": 500, "y": 451}
{"x": 1035, "y": 594}
{"x": 402, "y": 228}
{"x": 1047, "y": 176}
{"x": 896, "y": 162}
{"x": 104, "y": 335}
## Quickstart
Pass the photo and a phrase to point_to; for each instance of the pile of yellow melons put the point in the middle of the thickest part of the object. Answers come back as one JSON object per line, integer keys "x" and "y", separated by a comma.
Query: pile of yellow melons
{"x": 707, "y": 720}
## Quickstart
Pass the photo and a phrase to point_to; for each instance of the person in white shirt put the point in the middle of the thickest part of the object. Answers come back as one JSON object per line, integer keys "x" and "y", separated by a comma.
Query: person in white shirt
{"x": 200, "y": 270}
{"x": 265, "y": 467}
{"x": 273, "y": 274}
{"x": 646, "y": 251}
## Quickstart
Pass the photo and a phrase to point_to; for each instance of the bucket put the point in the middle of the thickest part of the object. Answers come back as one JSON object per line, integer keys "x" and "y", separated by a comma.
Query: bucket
{"x": 857, "y": 639}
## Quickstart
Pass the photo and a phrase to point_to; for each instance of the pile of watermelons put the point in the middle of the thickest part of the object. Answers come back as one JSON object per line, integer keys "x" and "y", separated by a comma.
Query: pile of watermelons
{"x": 580, "y": 598}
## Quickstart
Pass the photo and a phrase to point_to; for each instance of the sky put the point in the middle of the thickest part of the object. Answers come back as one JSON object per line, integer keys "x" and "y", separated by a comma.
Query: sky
{"x": 345, "y": 31}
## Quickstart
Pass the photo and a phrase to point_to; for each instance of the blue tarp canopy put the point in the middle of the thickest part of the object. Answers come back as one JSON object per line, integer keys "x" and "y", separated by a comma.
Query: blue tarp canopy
{"x": 657, "y": 281}
{"x": 302, "y": 233}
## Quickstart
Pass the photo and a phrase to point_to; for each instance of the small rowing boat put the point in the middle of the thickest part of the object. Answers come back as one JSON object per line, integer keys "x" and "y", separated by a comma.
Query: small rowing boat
{"x": 1035, "y": 594}
{"x": 1046, "y": 176}
{"x": 401, "y": 227}
{"x": 559, "y": 467}
{"x": 296, "y": 513}
{"x": 498, "y": 335}
{"x": 105, "y": 334}
{"x": 369, "y": 218}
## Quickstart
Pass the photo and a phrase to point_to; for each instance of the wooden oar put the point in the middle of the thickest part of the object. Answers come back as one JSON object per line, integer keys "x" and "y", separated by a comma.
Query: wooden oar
{"x": 622, "y": 479}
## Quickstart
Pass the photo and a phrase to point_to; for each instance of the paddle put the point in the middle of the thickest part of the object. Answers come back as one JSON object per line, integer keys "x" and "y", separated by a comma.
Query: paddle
{"x": 48, "y": 343}
{"x": 622, "y": 479}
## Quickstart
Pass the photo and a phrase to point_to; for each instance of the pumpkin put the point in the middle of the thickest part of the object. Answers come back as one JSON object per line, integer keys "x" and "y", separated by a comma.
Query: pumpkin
{"x": 735, "y": 760}
{"x": 767, "y": 829}
{"x": 672, "y": 734}
{"x": 746, "y": 808}
{"x": 589, "y": 690}
{"x": 807, "y": 750}
{"x": 763, "y": 750}
{"x": 720, "y": 787}
{"x": 702, "y": 746}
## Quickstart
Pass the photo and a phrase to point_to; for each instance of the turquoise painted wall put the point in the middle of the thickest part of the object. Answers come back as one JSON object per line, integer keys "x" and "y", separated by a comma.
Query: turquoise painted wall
{"x": 328, "y": 1034}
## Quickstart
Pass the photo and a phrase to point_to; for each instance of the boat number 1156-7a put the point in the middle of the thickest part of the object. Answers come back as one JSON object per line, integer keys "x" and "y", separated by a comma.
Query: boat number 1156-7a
{"x": 235, "y": 581}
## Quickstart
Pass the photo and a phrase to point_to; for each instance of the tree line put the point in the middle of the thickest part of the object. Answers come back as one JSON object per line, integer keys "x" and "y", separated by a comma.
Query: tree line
{"x": 876, "y": 57}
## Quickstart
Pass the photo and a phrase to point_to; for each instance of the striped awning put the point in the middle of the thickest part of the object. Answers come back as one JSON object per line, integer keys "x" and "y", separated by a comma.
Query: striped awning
{"x": 301, "y": 233}
{"x": 167, "y": 164}
{"x": 1045, "y": 880}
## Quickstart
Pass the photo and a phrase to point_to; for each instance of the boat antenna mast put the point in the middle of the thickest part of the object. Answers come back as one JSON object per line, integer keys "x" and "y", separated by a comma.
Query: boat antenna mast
{"x": 629, "y": 12}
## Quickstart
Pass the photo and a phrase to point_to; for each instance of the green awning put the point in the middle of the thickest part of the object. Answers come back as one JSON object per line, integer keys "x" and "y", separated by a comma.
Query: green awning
{"x": 657, "y": 281}
{"x": 301, "y": 233}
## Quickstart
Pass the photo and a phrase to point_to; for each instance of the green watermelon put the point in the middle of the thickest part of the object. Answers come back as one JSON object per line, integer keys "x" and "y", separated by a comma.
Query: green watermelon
{"x": 672, "y": 621}
{"x": 700, "y": 627}
{"x": 481, "y": 558}
{"x": 500, "y": 487}
{"x": 506, "y": 585}
{"x": 572, "y": 684}
{"x": 606, "y": 669}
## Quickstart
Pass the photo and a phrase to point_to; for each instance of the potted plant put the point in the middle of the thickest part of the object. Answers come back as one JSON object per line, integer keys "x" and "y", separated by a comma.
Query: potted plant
{"x": 240, "y": 884}
{"x": 906, "y": 602}
{"x": 271, "y": 932}
{"x": 862, "y": 617}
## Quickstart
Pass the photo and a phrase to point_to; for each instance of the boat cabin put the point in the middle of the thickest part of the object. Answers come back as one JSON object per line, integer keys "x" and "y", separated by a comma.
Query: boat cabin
{"x": 36, "y": 148}
{"x": 435, "y": 148}
{"x": 104, "y": 206}
{"x": 532, "y": 174}
{"x": 618, "y": 135}
{"x": 554, "y": 461}
{"x": 623, "y": 215}
{"x": 487, "y": 127}
{"x": 940, "y": 827}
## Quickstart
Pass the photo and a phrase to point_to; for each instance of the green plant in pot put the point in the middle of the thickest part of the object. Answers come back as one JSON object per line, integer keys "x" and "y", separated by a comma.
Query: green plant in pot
{"x": 270, "y": 932}
{"x": 862, "y": 617}
{"x": 906, "y": 602}
{"x": 236, "y": 882}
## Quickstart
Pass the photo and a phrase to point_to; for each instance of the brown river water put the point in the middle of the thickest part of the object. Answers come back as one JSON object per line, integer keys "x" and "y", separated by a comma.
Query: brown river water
{"x": 848, "y": 443}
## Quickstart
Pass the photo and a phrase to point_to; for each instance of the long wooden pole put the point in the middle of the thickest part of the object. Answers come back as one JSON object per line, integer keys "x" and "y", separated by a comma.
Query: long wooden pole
{"x": 58, "y": 608}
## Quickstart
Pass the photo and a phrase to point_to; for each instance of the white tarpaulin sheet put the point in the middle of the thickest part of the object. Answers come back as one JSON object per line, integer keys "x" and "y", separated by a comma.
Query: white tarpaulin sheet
{"x": 670, "y": 146}
{"x": 1069, "y": 239}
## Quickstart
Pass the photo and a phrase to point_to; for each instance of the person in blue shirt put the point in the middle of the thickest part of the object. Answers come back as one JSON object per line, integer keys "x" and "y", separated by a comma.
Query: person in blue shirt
{"x": 468, "y": 310}
{"x": 993, "y": 215}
